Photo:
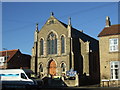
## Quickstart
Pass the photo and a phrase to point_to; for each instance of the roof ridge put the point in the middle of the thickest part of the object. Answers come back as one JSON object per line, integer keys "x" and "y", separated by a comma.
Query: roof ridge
{"x": 10, "y": 50}
{"x": 115, "y": 24}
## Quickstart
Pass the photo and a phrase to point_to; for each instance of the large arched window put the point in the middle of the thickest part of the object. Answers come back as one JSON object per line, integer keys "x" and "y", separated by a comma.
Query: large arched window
{"x": 52, "y": 43}
{"x": 41, "y": 68}
{"x": 62, "y": 44}
{"x": 41, "y": 46}
{"x": 63, "y": 67}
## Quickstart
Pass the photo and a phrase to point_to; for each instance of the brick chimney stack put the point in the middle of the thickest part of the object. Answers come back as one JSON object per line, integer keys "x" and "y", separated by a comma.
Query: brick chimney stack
{"x": 108, "y": 23}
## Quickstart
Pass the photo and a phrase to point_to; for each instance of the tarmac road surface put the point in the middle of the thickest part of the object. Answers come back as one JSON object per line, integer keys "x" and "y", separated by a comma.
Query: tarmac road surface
{"x": 65, "y": 88}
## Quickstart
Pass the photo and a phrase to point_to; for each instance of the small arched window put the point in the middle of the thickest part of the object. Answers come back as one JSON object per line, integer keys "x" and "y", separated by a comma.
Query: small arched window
{"x": 62, "y": 44}
{"x": 41, "y": 46}
{"x": 63, "y": 67}
{"x": 41, "y": 68}
{"x": 52, "y": 43}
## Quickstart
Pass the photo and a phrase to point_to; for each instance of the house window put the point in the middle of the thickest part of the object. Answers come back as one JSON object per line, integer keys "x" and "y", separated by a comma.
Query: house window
{"x": 113, "y": 44}
{"x": 62, "y": 44}
{"x": 115, "y": 70}
{"x": 63, "y": 67}
{"x": 41, "y": 46}
{"x": 52, "y": 43}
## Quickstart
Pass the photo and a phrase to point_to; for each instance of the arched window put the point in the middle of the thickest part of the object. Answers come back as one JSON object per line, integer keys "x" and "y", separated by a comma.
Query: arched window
{"x": 52, "y": 43}
{"x": 41, "y": 46}
{"x": 63, "y": 67}
{"x": 62, "y": 44}
{"x": 41, "y": 68}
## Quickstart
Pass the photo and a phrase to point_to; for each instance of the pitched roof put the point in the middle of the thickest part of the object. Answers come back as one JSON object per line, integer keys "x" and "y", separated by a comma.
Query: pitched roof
{"x": 10, "y": 53}
{"x": 65, "y": 25}
{"x": 112, "y": 30}
{"x": 78, "y": 34}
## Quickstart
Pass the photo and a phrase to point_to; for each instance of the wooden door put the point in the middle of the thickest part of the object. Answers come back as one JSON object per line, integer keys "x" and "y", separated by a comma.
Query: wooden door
{"x": 52, "y": 68}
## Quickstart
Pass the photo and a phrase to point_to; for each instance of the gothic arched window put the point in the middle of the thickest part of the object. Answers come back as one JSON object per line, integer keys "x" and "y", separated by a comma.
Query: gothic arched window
{"x": 41, "y": 68}
{"x": 41, "y": 46}
{"x": 52, "y": 43}
{"x": 62, "y": 44}
{"x": 63, "y": 67}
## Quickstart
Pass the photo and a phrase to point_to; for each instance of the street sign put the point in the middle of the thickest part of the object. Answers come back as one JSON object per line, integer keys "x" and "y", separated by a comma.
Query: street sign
{"x": 71, "y": 73}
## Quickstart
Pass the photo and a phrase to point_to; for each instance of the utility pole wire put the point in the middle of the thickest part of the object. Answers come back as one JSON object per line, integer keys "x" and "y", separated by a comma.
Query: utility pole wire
{"x": 70, "y": 14}
{"x": 19, "y": 28}
{"x": 18, "y": 21}
{"x": 87, "y": 10}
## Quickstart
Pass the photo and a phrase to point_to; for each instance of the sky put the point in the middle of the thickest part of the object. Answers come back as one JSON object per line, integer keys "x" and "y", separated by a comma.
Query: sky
{"x": 19, "y": 19}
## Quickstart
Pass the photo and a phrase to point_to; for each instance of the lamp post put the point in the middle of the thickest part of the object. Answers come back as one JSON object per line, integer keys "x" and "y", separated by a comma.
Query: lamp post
{"x": 5, "y": 66}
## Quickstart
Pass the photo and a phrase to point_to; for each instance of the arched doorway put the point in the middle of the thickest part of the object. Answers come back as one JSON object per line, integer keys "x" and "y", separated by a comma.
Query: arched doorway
{"x": 52, "y": 68}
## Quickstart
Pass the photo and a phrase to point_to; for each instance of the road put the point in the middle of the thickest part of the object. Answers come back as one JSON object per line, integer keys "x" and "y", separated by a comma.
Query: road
{"x": 65, "y": 88}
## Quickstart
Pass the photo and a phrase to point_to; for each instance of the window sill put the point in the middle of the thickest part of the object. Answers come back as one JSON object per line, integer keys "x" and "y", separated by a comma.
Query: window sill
{"x": 42, "y": 56}
{"x": 105, "y": 80}
{"x": 114, "y": 52}
{"x": 41, "y": 72}
{"x": 52, "y": 55}
{"x": 114, "y": 79}
{"x": 63, "y": 54}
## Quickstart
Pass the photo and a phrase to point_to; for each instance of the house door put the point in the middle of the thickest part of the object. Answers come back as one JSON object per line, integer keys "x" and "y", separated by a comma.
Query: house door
{"x": 52, "y": 68}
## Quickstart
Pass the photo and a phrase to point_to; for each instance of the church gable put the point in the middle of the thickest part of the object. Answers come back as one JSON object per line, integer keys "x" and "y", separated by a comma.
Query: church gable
{"x": 52, "y": 21}
{"x": 52, "y": 24}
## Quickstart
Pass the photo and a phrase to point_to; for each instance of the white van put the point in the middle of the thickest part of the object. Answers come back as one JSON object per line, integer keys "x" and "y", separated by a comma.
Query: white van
{"x": 15, "y": 77}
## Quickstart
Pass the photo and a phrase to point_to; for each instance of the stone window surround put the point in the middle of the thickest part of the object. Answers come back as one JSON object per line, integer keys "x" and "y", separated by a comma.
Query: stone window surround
{"x": 114, "y": 45}
{"x": 62, "y": 67}
{"x": 57, "y": 44}
{"x": 112, "y": 67}
{"x": 64, "y": 44}
{"x": 42, "y": 47}
{"x": 41, "y": 64}
{"x": 52, "y": 43}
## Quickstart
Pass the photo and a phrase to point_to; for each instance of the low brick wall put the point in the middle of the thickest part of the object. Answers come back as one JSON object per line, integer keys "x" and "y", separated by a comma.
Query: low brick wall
{"x": 110, "y": 83}
{"x": 72, "y": 83}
